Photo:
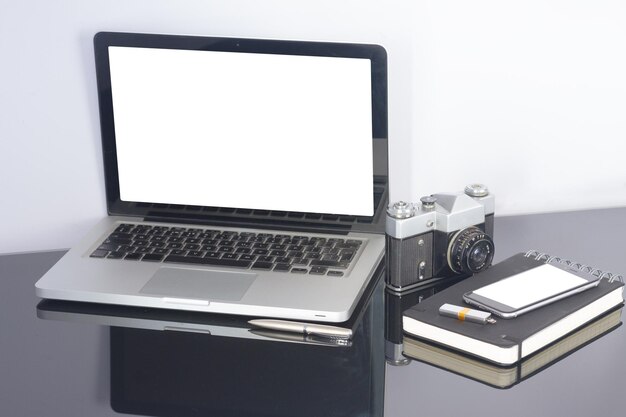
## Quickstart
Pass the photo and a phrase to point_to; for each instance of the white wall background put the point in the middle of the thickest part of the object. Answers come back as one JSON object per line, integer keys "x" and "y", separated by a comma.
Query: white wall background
{"x": 527, "y": 97}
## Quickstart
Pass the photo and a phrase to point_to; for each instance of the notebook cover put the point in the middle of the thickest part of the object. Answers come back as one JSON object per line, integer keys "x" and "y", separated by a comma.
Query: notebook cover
{"x": 506, "y": 333}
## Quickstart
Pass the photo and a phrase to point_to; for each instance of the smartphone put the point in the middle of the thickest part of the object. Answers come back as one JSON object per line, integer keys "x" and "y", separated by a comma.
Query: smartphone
{"x": 531, "y": 289}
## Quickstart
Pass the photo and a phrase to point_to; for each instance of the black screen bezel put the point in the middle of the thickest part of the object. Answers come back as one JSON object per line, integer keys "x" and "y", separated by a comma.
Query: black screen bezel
{"x": 258, "y": 218}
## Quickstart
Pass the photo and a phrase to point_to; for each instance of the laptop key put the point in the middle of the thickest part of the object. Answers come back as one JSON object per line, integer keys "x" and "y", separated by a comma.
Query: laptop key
{"x": 133, "y": 256}
{"x": 335, "y": 274}
{"x": 108, "y": 247}
{"x": 318, "y": 270}
{"x": 99, "y": 253}
{"x": 118, "y": 240}
{"x": 300, "y": 262}
{"x": 346, "y": 256}
{"x": 299, "y": 270}
{"x": 153, "y": 257}
{"x": 262, "y": 265}
{"x": 350, "y": 244}
{"x": 282, "y": 267}
{"x": 330, "y": 264}
{"x": 120, "y": 236}
{"x": 142, "y": 250}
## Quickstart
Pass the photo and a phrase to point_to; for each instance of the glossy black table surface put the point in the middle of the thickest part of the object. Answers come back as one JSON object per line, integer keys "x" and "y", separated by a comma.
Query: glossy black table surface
{"x": 77, "y": 360}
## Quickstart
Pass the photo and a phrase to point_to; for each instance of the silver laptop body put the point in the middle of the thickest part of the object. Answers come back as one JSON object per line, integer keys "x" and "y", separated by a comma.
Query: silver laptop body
{"x": 243, "y": 176}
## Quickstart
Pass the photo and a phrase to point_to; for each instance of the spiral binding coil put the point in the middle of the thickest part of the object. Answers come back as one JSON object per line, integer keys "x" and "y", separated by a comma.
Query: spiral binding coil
{"x": 539, "y": 256}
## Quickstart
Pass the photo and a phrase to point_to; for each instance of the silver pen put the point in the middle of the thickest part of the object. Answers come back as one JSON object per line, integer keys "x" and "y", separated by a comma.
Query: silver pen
{"x": 321, "y": 330}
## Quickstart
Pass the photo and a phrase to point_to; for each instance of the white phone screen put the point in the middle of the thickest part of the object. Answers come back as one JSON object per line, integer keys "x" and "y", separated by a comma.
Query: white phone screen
{"x": 531, "y": 286}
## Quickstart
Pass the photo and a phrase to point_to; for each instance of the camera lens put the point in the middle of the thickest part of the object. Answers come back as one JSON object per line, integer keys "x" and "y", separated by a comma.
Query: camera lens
{"x": 470, "y": 251}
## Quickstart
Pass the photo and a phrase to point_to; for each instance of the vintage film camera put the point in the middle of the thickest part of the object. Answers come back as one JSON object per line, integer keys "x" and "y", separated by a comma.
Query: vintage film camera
{"x": 443, "y": 236}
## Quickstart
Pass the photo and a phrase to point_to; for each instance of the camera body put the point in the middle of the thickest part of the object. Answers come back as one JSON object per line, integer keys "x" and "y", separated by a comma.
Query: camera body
{"x": 444, "y": 235}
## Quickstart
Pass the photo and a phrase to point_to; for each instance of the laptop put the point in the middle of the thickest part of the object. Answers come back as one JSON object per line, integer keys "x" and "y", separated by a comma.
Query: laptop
{"x": 242, "y": 176}
{"x": 223, "y": 325}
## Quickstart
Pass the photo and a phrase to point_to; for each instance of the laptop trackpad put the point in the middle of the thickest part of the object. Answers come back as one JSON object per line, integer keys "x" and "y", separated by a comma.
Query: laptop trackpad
{"x": 199, "y": 284}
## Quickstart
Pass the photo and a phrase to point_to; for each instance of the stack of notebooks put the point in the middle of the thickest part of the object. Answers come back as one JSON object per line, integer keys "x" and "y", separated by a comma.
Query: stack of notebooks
{"x": 510, "y": 350}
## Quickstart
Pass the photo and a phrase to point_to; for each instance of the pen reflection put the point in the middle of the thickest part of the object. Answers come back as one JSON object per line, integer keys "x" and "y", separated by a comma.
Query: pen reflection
{"x": 302, "y": 338}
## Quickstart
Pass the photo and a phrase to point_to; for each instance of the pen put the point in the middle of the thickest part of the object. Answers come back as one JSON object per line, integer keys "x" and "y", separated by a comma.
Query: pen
{"x": 321, "y": 330}
{"x": 466, "y": 314}
{"x": 301, "y": 337}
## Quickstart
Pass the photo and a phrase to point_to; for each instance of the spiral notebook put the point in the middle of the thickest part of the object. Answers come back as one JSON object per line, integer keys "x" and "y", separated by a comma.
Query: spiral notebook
{"x": 509, "y": 341}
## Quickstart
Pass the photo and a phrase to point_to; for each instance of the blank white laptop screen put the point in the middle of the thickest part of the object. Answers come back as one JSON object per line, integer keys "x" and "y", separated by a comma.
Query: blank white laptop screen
{"x": 243, "y": 130}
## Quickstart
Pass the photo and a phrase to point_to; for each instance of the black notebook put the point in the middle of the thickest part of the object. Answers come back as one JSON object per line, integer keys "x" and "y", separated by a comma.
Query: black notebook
{"x": 507, "y": 376}
{"x": 509, "y": 341}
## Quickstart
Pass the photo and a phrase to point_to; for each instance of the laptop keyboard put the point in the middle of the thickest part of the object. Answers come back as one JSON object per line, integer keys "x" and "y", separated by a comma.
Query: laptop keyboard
{"x": 257, "y": 251}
